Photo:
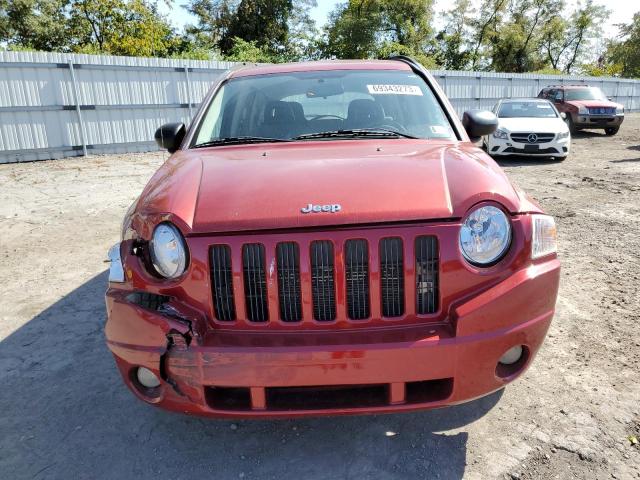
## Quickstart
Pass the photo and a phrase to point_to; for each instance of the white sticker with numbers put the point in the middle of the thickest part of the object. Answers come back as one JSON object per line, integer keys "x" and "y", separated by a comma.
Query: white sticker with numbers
{"x": 394, "y": 90}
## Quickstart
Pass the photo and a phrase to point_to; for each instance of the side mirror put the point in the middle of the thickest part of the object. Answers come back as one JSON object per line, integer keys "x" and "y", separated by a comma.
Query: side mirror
{"x": 479, "y": 123}
{"x": 563, "y": 115}
{"x": 169, "y": 136}
{"x": 610, "y": 99}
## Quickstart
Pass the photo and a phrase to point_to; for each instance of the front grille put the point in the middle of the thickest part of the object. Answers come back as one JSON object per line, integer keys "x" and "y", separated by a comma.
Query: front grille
{"x": 426, "y": 275}
{"x": 602, "y": 110}
{"x": 325, "y": 280}
{"x": 255, "y": 284}
{"x": 392, "y": 277}
{"x": 289, "y": 293}
{"x": 532, "y": 137}
{"x": 357, "y": 278}
{"x": 222, "y": 282}
{"x": 322, "y": 281}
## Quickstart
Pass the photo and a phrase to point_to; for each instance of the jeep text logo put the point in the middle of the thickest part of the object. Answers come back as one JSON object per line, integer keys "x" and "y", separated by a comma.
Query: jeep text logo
{"x": 311, "y": 208}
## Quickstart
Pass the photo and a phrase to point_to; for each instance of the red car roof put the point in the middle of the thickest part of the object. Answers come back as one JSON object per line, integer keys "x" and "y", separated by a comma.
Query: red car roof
{"x": 320, "y": 65}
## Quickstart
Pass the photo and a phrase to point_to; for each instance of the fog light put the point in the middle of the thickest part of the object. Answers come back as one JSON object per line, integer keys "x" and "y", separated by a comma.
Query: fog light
{"x": 511, "y": 356}
{"x": 147, "y": 378}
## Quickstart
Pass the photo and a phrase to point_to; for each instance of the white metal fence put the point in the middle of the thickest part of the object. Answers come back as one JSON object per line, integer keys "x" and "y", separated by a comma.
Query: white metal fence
{"x": 59, "y": 105}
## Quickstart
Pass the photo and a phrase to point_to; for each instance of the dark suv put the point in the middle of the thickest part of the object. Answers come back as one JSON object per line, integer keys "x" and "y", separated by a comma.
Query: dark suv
{"x": 585, "y": 107}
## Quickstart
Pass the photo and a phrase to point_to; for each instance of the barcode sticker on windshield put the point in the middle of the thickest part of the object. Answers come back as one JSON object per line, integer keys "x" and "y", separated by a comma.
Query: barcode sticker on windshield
{"x": 394, "y": 90}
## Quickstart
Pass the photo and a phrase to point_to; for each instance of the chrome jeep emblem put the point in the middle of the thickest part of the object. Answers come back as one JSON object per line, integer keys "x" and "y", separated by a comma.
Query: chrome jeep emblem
{"x": 311, "y": 208}
{"x": 532, "y": 138}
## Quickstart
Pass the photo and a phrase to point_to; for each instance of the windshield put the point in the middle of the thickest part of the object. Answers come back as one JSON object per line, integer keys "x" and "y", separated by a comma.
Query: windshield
{"x": 308, "y": 104}
{"x": 592, "y": 93}
{"x": 526, "y": 110}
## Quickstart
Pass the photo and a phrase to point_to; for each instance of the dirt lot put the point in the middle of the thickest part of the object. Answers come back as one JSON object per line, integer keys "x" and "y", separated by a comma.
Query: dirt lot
{"x": 66, "y": 414}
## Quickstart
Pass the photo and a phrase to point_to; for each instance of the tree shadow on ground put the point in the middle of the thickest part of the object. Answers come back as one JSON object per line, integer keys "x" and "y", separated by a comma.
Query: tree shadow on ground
{"x": 66, "y": 414}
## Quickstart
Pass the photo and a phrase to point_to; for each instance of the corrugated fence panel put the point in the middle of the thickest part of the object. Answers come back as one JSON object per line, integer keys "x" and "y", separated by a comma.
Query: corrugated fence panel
{"x": 122, "y": 100}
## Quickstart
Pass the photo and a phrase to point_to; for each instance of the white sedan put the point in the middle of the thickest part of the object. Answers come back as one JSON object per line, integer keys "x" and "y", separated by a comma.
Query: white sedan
{"x": 531, "y": 127}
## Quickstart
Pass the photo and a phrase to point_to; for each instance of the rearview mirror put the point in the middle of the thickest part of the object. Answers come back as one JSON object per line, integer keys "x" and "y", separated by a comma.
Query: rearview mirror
{"x": 479, "y": 123}
{"x": 170, "y": 135}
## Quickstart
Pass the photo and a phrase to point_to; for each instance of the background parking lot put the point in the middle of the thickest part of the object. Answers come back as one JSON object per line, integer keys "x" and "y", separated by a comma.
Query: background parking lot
{"x": 66, "y": 413}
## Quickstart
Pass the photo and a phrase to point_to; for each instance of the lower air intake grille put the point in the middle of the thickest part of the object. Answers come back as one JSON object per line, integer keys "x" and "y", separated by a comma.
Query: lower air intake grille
{"x": 322, "y": 281}
{"x": 289, "y": 282}
{"x": 222, "y": 283}
{"x": 426, "y": 275}
{"x": 255, "y": 285}
{"x": 357, "y": 278}
{"x": 392, "y": 277}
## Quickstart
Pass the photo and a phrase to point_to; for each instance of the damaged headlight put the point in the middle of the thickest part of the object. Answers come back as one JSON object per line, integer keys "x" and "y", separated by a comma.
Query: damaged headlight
{"x": 485, "y": 235}
{"x": 168, "y": 251}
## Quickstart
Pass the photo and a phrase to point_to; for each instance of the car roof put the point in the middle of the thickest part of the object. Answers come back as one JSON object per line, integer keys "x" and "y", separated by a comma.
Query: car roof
{"x": 267, "y": 69}
{"x": 568, "y": 87}
{"x": 526, "y": 99}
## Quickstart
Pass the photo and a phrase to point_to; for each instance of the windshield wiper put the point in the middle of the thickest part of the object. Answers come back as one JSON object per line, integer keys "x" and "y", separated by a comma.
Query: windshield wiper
{"x": 239, "y": 141}
{"x": 355, "y": 133}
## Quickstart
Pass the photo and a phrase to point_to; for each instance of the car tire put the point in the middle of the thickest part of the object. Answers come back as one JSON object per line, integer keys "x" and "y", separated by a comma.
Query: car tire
{"x": 571, "y": 125}
{"x": 611, "y": 130}
{"x": 560, "y": 159}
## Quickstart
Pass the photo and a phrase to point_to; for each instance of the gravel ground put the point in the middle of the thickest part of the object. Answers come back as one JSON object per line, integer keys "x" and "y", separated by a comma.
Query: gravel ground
{"x": 66, "y": 414}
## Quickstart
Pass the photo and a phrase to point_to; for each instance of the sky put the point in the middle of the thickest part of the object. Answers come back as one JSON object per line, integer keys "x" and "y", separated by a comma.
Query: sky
{"x": 621, "y": 12}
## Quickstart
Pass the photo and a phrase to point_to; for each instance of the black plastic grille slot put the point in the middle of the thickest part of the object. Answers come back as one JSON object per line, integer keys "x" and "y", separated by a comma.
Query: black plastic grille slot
{"x": 392, "y": 277}
{"x": 357, "y": 278}
{"x": 289, "y": 292}
{"x": 323, "y": 281}
{"x": 426, "y": 274}
{"x": 255, "y": 285}
{"x": 222, "y": 283}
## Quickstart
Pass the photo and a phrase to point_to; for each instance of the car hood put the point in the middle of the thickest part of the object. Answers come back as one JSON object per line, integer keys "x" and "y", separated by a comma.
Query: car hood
{"x": 537, "y": 125}
{"x": 263, "y": 187}
{"x": 594, "y": 103}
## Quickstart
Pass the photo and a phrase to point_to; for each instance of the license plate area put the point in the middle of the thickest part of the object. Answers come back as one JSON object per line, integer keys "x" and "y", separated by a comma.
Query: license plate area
{"x": 531, "y": 148}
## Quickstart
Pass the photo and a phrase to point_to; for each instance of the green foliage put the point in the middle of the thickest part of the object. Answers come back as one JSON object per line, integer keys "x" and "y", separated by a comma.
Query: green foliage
{"x": 544, "y": 36}
{"x": 376, "y": 28}
{"x": 623, "y": 55}
{"x": 243, "y": 51}
{"x": 34, "y": 24}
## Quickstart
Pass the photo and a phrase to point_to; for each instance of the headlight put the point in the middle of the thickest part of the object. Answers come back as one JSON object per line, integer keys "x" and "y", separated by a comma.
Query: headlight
{"x": 583, "y": 111}
{"x": 168, "y": 251}
{"x": 500, "y": 133}
{"x": 544, "y": 239}
{"x": 562, "y": 135}
{"x": 619, "y": 110}
{"x": 485, "y": 236}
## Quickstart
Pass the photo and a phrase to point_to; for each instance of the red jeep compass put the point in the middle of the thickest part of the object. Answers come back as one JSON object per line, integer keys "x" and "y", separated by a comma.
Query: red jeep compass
{"x": 326, "y": 239}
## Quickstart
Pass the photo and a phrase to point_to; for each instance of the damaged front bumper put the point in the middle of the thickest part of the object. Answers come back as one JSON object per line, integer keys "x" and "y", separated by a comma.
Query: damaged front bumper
{"x": 287, "y": 374}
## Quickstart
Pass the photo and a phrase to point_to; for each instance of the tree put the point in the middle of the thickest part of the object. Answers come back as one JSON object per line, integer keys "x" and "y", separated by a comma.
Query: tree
{"x": 120, "y": 27}
{"x": 623, "y": 54}
{"x": 516, "y": 43}
{"x": 377, "y": 28}
{"x": 452, "y": 50}
{"x": 264, "y": 23}
{"x": 34, "y": 24}
{"x": 485, "y": 28}
{"x": 585, "y": 26}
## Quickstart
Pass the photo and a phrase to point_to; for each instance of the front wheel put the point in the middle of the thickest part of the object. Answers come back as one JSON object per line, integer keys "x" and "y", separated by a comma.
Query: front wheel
{"x": 611, "y": 130}
{"x": 560, "y": 159}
